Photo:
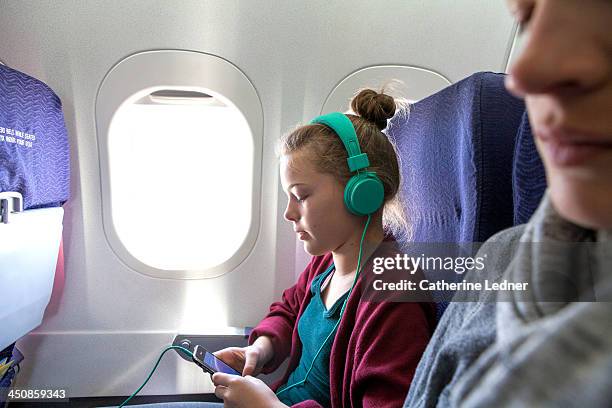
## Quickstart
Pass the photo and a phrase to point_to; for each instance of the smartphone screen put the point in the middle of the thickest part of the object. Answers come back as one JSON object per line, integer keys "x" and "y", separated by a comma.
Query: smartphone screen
{"x": 212, "y": 363}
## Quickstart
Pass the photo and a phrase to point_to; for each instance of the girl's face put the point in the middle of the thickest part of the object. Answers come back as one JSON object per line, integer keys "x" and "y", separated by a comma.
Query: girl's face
{"x": 565, "y": 74}
{"x": 316, "y": 205}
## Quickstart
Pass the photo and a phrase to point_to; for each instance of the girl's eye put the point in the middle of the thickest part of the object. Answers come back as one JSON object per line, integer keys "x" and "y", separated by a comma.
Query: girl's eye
{"x": 300, "y": 199}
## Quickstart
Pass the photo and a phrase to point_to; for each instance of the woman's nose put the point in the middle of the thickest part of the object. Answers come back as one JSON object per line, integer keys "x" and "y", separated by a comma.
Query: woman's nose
{"x": 555, "y": 59}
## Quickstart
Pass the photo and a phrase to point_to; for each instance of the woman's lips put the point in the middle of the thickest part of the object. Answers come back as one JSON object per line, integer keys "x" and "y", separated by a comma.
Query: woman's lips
{"x": 567, "y": 148}
{"x": 574, "y": 154}
{"x": 302, "y": 235}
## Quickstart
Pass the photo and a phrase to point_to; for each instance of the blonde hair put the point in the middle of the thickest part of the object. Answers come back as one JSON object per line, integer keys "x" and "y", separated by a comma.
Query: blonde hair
{"x": 328, "y": 154}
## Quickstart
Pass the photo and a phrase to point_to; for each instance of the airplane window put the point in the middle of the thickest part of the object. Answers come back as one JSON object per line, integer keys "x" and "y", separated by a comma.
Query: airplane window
{"x": 180, "y": 157}
{"x": 180, "y": 171}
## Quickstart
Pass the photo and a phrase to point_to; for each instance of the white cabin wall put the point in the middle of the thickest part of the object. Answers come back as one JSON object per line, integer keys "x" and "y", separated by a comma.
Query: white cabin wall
{"x": 294, "y": 53}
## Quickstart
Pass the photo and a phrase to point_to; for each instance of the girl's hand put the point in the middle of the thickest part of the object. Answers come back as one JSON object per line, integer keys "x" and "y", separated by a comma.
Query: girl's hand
{"x": 244, "y": 392}
{"x": 249, "y": 360}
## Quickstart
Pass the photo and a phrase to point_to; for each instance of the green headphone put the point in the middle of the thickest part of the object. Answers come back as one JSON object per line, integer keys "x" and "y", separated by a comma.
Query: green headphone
{"x": 364, "y": 192}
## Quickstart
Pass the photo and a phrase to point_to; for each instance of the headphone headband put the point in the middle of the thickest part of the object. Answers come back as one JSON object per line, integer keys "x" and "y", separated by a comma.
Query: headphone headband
{"x": 364, "y": 192}
{"x": 343, "y": 127}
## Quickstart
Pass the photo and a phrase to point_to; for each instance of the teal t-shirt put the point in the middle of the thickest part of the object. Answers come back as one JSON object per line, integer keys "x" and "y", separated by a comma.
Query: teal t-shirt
{"x": 313, "y": 328}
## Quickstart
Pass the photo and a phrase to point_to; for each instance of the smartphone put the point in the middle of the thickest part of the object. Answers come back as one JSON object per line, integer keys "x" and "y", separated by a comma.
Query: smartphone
{"x": 210, "y": 363}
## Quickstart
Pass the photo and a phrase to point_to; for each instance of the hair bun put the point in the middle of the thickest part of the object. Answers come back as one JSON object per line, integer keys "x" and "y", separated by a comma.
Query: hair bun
{"x": 374, "y": 107}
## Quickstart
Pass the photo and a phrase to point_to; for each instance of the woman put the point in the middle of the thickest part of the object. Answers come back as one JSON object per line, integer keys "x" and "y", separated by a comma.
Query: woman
{"x": 541, "y": 347}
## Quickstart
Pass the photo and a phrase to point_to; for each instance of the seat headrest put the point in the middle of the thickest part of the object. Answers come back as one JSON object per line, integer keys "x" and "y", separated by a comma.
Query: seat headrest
{"x": 528, "y": 177}
{"x": 456, "y": 149}
{"x": 34, "y": 150}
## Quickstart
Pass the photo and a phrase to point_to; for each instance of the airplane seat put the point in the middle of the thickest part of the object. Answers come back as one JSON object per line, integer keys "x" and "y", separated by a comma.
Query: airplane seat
{"x": 34, "y": 183}
{"x": 456, "y": 157}
{"x": 528, "y": 177}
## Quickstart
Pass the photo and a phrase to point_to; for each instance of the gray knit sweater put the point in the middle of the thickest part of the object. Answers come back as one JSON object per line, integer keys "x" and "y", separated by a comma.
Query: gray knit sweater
{"x": 465, "y": 331}
{"x": 542, "y": 347}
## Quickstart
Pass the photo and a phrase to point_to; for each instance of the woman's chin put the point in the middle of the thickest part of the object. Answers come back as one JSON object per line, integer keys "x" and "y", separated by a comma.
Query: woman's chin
{"x": 583, "y": 204}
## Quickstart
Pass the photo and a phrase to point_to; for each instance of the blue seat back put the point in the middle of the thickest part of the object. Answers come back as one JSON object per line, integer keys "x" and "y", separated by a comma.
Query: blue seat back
{"x": 456, "y": 150}
{"x": 34, "y": 165}
{"x": 34, "y": 150}
{"x": 456, "y": 156}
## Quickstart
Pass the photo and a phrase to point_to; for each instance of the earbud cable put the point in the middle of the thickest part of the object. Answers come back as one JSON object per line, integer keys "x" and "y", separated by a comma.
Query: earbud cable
{"x": 189, "y": 353}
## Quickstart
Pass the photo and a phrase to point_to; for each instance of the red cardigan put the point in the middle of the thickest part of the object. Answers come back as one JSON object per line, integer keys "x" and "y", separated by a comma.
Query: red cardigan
{"x": 375, "y": 351}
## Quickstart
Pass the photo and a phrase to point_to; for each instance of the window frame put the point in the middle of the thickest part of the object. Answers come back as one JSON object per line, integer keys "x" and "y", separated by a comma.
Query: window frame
{"x": 134, "y": 77}
{"x": 419, "y": 83}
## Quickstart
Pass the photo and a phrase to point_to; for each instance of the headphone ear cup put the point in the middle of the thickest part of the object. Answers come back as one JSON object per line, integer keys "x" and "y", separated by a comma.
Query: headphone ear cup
{"x": 364, "y": 193}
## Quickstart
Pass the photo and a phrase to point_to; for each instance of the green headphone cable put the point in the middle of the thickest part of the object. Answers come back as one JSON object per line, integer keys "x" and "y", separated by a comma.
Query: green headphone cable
{"x": 189, "y": 353}
{"x": 339, "y": 318}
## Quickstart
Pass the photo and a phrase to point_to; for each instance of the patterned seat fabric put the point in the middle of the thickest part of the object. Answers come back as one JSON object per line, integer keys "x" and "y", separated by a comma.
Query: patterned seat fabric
{"x": 34, "y": 151}
{"x": 456, "y": 151}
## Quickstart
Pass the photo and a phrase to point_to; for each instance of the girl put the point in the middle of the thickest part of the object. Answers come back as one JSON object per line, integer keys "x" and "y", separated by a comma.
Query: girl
{"x": 343, "y": 350}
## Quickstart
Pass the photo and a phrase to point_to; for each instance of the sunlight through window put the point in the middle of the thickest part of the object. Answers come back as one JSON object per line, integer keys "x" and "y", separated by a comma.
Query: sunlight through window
{"x": 181, "y": 179}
